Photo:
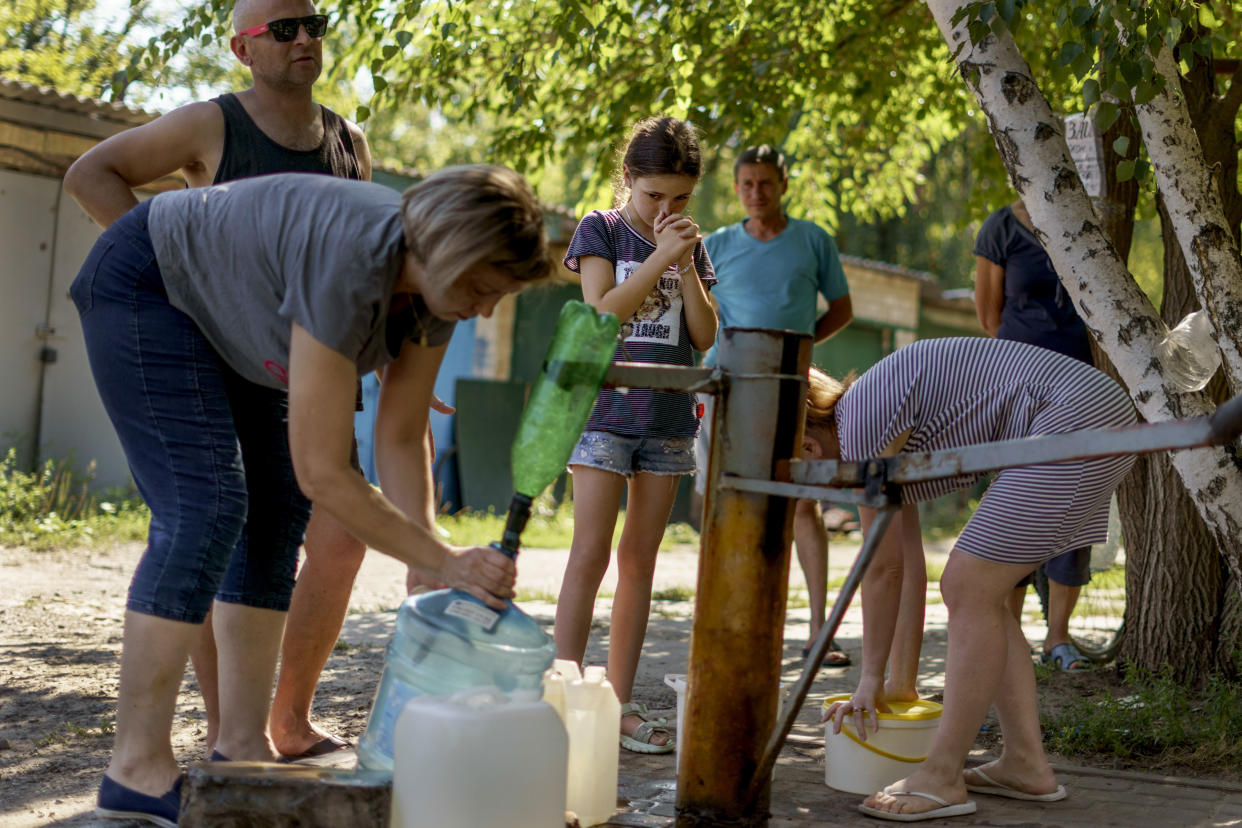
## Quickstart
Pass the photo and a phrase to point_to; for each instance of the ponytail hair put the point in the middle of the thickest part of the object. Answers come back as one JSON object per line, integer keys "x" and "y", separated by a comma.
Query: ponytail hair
{"x": 823, "y": 394}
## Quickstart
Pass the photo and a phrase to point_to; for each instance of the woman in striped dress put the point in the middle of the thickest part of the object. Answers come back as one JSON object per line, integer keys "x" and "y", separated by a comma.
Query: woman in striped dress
{"x": 942, "y": 394}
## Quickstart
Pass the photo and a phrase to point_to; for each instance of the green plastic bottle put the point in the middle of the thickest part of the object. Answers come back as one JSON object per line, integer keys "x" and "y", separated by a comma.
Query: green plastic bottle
{"x": 560, "y": 403}
{"x": 448, "y": 640}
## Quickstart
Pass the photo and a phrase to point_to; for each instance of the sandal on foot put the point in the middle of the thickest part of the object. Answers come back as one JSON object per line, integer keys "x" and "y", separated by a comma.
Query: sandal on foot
{"x": 119, "y": 802}
{"x": 835, "y": 657}
{"x": 1066, "y": 658}
{"x": 945, "y": 809}
{"x": 326, "y": 745}
{"x": 640, "y": 740}
{"x": 989, "y": 786}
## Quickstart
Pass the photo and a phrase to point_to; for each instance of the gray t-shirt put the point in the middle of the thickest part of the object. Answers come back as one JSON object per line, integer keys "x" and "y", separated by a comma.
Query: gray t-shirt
{"x": 248, "y": 258}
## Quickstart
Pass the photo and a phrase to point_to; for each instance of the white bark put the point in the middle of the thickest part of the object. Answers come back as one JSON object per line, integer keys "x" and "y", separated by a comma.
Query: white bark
{"x": 1118, "y": 314}
{"x": 1196, "y": 213}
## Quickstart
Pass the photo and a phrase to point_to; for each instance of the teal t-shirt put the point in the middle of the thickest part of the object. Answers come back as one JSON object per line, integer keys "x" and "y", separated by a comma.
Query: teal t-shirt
{"x": 772, "y": 284}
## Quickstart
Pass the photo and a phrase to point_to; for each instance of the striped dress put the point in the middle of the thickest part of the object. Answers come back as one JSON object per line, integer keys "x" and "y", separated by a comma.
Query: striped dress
{"x": 963, "y": 391}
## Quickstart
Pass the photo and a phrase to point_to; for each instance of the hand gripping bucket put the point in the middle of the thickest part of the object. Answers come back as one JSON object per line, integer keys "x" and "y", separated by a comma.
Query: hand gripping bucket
{"x": 902, "y": 742}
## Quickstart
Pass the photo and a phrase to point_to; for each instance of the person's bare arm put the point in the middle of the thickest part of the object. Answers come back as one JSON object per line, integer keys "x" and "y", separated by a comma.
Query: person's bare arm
{"x": 321, "y": 415}
{"x": 839, "y": 314}
{"x": 190, "y": 138}
{"x": 989, "y": 294}
{"x": 361, "y": 149}
{"x": 701, "y": 319}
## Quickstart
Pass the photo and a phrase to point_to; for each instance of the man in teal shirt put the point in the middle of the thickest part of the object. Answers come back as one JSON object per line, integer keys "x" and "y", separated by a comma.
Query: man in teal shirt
{"x": 770, "y": 269}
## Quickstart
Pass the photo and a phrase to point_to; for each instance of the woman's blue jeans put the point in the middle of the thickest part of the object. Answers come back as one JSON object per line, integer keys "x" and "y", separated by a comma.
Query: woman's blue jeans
{"x": 208, "y": 450}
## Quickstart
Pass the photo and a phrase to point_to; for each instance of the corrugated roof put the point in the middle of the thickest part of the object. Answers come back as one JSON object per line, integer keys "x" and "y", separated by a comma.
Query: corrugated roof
{"x": 16, "y": 90}
{"x": 886, "y": 267}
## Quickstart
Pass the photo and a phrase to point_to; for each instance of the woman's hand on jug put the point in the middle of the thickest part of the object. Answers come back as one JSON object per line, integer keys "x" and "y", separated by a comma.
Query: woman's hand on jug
{"x": 487, "y": 574}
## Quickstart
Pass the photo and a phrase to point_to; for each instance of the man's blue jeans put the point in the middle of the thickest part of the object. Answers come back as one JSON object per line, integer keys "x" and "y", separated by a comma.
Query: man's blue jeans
{"x": 208, "y": 450}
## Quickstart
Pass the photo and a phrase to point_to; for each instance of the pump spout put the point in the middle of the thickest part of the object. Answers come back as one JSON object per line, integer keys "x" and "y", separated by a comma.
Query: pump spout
{"x": 519, "y": 514}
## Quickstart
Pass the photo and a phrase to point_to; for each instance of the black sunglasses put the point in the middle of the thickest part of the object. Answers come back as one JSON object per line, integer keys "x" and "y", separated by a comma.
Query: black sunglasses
{"x": 286, "y": 28}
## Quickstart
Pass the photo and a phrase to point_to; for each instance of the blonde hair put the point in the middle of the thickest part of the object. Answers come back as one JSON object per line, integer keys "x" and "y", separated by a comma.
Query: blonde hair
{"x": 462, "y": 217}
{"x": 822, "y": 395}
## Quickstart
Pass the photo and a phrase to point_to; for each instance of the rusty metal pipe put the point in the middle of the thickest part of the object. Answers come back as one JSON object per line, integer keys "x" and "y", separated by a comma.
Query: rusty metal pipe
{"x": 737, "y": 639}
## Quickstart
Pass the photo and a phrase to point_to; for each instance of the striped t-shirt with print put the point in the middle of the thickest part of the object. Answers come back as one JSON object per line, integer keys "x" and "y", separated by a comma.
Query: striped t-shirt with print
{"x": 655, "y": 333}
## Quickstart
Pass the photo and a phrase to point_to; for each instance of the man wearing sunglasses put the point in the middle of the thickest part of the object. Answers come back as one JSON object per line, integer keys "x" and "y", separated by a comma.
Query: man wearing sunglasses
{"x": 274, "y": 126}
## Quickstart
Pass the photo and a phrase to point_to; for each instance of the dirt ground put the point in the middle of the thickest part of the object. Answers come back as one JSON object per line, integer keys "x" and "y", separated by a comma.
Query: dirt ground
{"x": 60, "y": 642}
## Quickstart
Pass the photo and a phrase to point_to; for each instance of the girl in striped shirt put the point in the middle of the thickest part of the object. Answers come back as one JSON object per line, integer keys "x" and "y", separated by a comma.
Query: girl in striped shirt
{"x": 644, "y": 262}
{"x": 941, "y": 394}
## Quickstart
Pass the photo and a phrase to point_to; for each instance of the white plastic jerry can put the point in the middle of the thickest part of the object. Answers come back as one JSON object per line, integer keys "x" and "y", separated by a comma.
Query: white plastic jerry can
{"x": 593, "y": 719}
{"x": 479, "y": 758}
{"x": 555, "y": 679}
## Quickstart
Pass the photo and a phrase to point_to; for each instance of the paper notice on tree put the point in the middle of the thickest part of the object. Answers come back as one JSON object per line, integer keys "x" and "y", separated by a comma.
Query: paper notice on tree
{"x": 1086, "y": 147}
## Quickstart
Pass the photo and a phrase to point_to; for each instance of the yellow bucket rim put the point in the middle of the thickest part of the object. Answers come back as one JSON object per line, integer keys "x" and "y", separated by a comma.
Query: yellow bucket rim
{"x": 914, "y": 711}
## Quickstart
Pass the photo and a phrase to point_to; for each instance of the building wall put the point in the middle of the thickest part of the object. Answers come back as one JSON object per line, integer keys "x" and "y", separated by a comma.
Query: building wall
{"x": 28, "y": 219}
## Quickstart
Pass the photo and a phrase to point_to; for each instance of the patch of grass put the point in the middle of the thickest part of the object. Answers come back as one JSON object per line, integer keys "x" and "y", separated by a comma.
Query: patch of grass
{"x": 1152, "y": 717}
{"x": 54, "y": 507}
{"x": 677, "y": 593}
{"x": 66, "y": 732}
{"x": 540, "y": 596}
{"x": 551, "y": 526}
{"x": 341, "y": 646}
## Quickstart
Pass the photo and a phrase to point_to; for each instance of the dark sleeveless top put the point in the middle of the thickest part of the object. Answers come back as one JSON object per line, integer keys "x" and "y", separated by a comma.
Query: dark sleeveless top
{"x": 248, "y": 151}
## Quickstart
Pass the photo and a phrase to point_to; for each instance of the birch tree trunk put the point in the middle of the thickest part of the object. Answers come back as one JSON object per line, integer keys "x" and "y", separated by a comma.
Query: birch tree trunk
{"x": 1175, "y": 580}
{"x": 1195, "y": 212}
{"x": 1118, "y": 314}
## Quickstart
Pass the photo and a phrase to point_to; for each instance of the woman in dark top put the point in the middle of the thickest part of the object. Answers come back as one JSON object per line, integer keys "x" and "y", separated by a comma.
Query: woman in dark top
{"x": 1019, "y": 296}
{"x": 281, "y": 290}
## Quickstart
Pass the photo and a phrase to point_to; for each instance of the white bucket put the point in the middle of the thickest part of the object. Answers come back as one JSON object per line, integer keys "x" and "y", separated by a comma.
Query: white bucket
{"x": 889, "y": 754}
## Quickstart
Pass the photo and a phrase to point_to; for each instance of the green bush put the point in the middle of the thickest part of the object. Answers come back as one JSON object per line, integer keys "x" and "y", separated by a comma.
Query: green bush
{"x": 54, "y": 506}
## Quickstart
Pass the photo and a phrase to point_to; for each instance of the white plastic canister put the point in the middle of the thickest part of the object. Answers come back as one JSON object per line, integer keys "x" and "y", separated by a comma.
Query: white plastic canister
{"x": 593, "y": 719}
{"x": 479, "y": 758}
{"x": 889, "y": 754}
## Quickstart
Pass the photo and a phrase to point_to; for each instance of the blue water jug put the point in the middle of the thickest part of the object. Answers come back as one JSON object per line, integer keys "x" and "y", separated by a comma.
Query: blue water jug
{"x": 448, "y": 641}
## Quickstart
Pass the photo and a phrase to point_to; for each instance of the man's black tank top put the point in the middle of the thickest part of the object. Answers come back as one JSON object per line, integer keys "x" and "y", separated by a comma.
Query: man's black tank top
{"x": 249, "y": 152}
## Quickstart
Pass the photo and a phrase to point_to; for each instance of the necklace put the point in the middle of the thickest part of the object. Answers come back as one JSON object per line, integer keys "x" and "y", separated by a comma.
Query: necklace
{"x": 634, "y": 224}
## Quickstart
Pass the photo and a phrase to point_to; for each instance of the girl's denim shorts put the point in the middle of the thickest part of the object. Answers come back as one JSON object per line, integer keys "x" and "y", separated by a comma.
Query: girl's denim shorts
{"x": 629, "y": 456}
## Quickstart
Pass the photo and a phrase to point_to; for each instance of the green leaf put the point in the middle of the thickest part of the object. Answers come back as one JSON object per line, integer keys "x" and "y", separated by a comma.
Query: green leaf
{"x": 403, "y": 38}
{"x": 1090, "y": 91}
{"x": 986, "y": 12}
{"x": 1008, "y": 9}
{"x": 1122, "y": 145}
{"x": 1082, "y": 65}
{"x": 1132, "y": 72}
{"x": 1144, "y": 92}
{"x": 379, "y": 83}
{"x": 1125, "y": 170}
{"x": 594, "y": 13}
{"x": 978, "y": 31}
{"x": 389, "y": 51}
{"x": 362, "y": 113}
{"x": 1106, "y": 114}
{"x": 1080, "y": 15}
{"x": 1070, "y": 52}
